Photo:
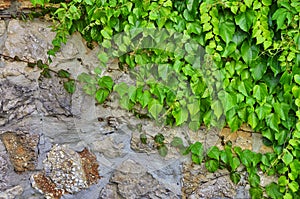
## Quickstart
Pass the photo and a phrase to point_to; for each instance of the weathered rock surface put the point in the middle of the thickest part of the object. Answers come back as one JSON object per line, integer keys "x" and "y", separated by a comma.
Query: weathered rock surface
{"x": 11, "y": 193}
{"x": 54, "y": 98}
{"x": 22, "y": 149}
{"x": 131, "y": 180}
{"x": 29, "y": 44}
{"x": 199, "y": 183}
{"x": 66, "y": 171}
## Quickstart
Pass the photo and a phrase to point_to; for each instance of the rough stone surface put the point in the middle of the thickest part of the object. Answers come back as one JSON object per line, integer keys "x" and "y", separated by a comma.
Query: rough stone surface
{"x": 29, "y": 44}
{"x": 17, "y": 103}
{"x": 53, "y": 96}
{"x": 66, "y": 171}
{"x": 3, "y": 171}
{"x": 199, "y": 183}
{"x": 22, "y": 149}
{"x": 11, "y": 193}
{"x": 131, "y": 180}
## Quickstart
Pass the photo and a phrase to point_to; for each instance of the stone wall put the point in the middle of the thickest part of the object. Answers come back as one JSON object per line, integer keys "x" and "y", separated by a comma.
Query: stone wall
{"x": 57, "y": 145}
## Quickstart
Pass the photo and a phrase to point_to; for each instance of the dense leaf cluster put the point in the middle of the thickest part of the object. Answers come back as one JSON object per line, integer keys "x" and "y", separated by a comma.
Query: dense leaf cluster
{"x": 250, "y": 73}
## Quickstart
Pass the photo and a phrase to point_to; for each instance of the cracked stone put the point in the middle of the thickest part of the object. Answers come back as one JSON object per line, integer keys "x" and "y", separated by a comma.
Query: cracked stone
{"x": 17, "y": 103}
{"x": 22, "y": 149}
{"x": 54, "y": 98}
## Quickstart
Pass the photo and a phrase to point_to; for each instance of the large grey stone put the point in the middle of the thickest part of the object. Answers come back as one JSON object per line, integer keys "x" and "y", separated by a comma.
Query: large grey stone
{"x": 131, "y": 180}
{"x": 29, "y": 41}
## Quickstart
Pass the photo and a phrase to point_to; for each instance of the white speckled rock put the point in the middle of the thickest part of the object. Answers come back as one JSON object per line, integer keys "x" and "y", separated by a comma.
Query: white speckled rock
{"x": 63, "y": 167}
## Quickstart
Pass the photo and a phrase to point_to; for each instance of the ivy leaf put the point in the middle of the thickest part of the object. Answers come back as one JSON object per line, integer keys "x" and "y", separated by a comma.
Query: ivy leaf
{"x": 70, "y": 86}
{"x": 297, "y": 79}
{"x": 146, "y": 98}
{"x": 282, "y": 109}
{"x": 180, "y": 115}
{"x": 234, "y": 163}
{"x": 249, "y": 52}
{"x": 248, "y": 3}
{"x": 126, "y": 103}
{"x": 63, "y": 73}
{"x": 280, "y": 16}
{"x": 121, "y": 89}
{"x": 273, "y": 121}
{"x": 143, "y": 138}
{"x": 106, "y": 82}
{"x": 273, "y": 191}
{"x": 214, "y": 153}
{"x": 227, "y": 30}
{"x": 217, "y": 108}
{"x": 254, "y": 179}
{"x": 159, "y": 138}
{"x": 256, "y": 192}
{"x": 197, "y": 149}
{"x": 177, "y": 142}
{"x": 194, "y": 107}
{"x": 103, "y": 57}
{"x": 212, "y": 165}
{"x": 101, "y": 95}
{"x": 155, "y": 108}
{"x": 287, "y": 157}
{"x": 162, "y": 150}
{"x": 294, "y": 186}
{"x": 258, "y": 70}
{"x": 245, "y": 20}
{"x": 253, "y": 120}
{"x": 234, "y": 123}
{"x": 235, "y": 177}
{"x": 263, "y": 111}
{"x": 86, "y": 78}
{"x": 260, "y": 92}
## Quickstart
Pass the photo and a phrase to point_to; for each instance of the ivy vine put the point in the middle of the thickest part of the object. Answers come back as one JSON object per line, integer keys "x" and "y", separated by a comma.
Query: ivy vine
{"x": 250, "y": 73}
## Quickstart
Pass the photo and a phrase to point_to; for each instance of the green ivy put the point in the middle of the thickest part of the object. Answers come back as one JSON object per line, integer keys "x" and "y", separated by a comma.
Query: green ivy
{"x": 249, "y": 74}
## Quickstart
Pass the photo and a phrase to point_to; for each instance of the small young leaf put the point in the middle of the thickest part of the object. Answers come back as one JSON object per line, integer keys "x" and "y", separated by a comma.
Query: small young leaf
{"x": 143, "y": 138}
{"x": 212, "y": 165}
{"x": 155, "y": 108}
{"x": 101, "y": 95}
{"x": 294, "y": 186}
{"x": 98, "y": 70}
{"x": 235, "y": 177}
{"x": 254, "y": 179}
{"x": 121, "y": 89}
{"x": 214, "y": 152}
{"x": 273, "y": 191}
{"x": 180, "y": 116}
{"x": 70, "y": 86}
{"x": 287, "y": 157}
{"x": 256, "y": 192}
{"x": 86, "y": 78}
{"x": 106, "y": 82}
{"x": 46, "y": 73}
{"x": 177, "y": 142}
{"x": 159, "y": 138}
{"x": 63, "y": 73}
{"x": 162, "y": 150}
{"x": 197, "y": 148}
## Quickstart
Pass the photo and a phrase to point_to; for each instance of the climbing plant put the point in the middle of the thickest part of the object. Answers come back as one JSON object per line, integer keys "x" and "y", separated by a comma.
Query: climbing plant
{"x": 250, "y": 72}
